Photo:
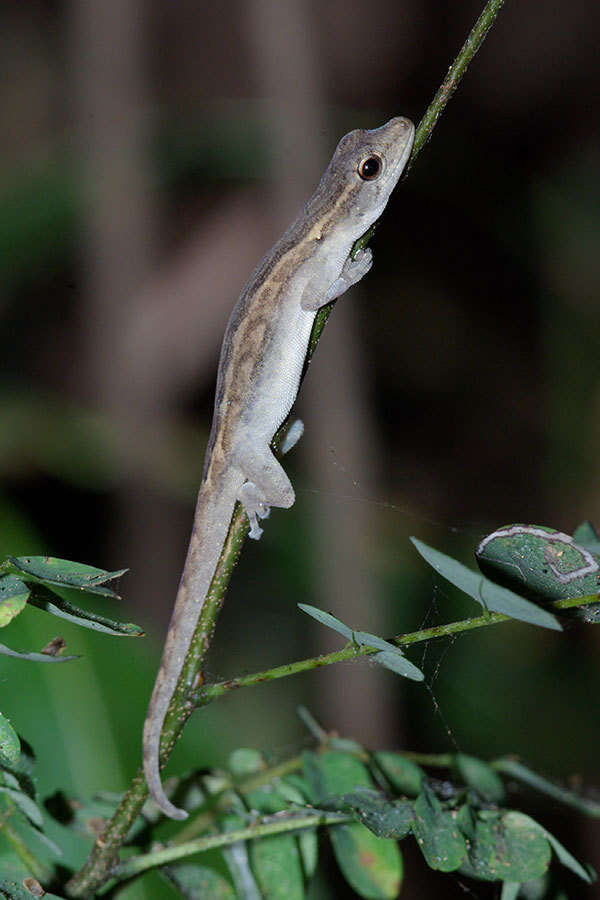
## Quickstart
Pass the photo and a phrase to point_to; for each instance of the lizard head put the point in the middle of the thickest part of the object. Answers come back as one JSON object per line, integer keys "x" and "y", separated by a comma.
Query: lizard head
{"x": 364, "y": 170}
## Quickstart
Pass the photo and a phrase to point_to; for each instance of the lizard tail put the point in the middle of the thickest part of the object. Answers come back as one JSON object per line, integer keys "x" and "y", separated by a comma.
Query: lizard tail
{"x": 211, "y": 523}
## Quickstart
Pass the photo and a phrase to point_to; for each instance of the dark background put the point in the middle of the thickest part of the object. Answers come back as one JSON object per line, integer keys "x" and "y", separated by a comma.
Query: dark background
{"x": 150, "y": 153}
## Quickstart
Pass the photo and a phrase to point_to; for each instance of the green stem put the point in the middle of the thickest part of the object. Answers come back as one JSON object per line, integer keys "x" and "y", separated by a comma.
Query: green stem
{"x": 454, "y": 75}
{"x": 35, "y": 867}
{"x": 437, "y": 106}
{"x": 259, "y": 829}
{"x": 212, "y": 691}
{"x": 203, "y": 820}
{"x": 97, "y": 867}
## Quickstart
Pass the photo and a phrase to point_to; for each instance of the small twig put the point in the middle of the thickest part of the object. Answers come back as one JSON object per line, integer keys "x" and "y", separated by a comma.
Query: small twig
{"x": 437, "y": 106}
{"x": 259, "y": 829}
{"x": 211, "y": 692}
{"x": 206, "y": 817}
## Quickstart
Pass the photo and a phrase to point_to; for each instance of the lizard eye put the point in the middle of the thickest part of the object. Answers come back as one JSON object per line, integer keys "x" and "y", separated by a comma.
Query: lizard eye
{"x": 370, "y": 167}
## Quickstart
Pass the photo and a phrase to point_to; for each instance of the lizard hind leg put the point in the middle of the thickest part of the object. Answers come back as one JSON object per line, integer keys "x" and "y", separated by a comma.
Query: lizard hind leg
{"x": 267, "y": 485}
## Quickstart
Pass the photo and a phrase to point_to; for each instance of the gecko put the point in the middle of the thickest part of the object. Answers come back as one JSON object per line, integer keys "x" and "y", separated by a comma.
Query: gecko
{"x": 260, "y": 369}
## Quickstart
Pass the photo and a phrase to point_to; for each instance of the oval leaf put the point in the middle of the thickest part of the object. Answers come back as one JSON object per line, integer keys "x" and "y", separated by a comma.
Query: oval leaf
{"x": 277, "y": 867}
{"x": 396, "y": 662}
{"x": 10, "y": 746}
{"x": 13, "y": 598}
{"x": 58, "y": 606}
{"x": 27, "y": 806}
{"x": 479, "y": 775}
{"x": 327, "y": 619}
{"x": 539, "y": 561}
{"x": 505, "y": 851}
{"x": 390, "y": 657}
{"x": 489, "y": 594}
{"x": 334, "y": 773}
{"x": 404, "y": 775}
{"x": 385, "y": 818}
{"x": 372, "y": 866}
{"x": 519, "y": 821}
{"x": 15, "y": 890}
{"x": 437, "y": 834}
{"x": 195, "y": 882}
{"x": 64, "y": 573}
{"x": 245, "y": 761}
{"x": 34, "y": 657}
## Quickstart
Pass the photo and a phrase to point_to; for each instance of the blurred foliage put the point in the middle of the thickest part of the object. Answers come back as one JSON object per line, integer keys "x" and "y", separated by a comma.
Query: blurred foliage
{"x": 482, "y": 364}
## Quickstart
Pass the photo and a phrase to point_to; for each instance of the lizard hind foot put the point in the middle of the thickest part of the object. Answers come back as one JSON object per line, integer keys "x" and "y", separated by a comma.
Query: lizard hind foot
{"x": 255, "y": 508}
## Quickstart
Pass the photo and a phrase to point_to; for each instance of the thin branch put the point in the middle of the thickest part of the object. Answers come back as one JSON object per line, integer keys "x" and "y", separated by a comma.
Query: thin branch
{"x": 97, "y": 867}
{"x": 212, "y": 691}
{"x": 261, "y": 828}
{"x": 202, "y": 820}
{"x": 437, "y": 106}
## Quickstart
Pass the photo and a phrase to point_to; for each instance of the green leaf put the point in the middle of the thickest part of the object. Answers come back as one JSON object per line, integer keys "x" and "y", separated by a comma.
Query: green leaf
{"x": 244, "y": 761}
{"x": 15, "y": 890}
{"x": 517, "y": 820}
{"x": 25, "y": 804}
{"x": 265, "y": 800}
{"x": 586, "y": 536}
{"x": 13, "y": 598}
{"x": 538, "y": 889}
{"x": 10, "y": 746}
{"x": 385, "y": 818}
{"x": 510, "y": 890}
{"x": 277, "y": 867}
{"x": 372, "y": 866}
{"x": 295, "y": 790}
{"x": 327, "y": 619}
{"x": 391, "y": 657}
{"x": 517, "y": 770}
{"x": 501, "y": 850}
{"x": 479, "y": 775}
{"x": 396, "y": 662}
{"x": 489, "y": 594}
{"x": 66, "y": 574}
{"x": 364, "y": 639}
{"x": 538, "y": 561}
{"x": 34, "y": 657}
{"x": 58, "y": 606}
{"x": 279, "y": 861}
{"x": 308, "y": 844}
{"x": 236, "y": 856}
{"x": 334, "y": 773}
{"x": 196, "y": 882}
{"x": 437, "y": 834}
{"x": 404, "y": 775}
{"x": 298, "y": 784}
